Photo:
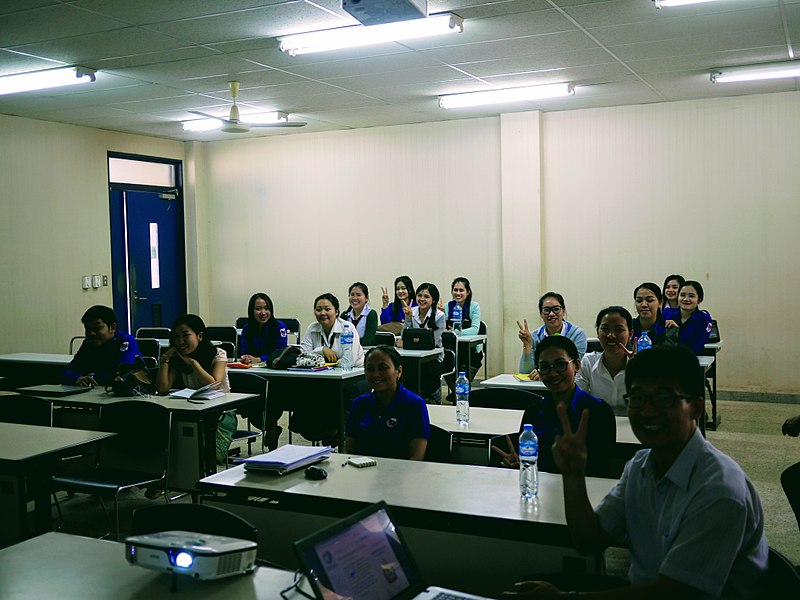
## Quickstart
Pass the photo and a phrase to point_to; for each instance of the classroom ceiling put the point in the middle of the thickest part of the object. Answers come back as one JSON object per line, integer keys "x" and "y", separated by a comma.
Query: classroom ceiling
{"x": 159, "y": 59}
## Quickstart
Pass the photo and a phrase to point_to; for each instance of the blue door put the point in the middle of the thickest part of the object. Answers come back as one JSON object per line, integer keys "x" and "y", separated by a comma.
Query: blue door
{"x": 148, "y": 258}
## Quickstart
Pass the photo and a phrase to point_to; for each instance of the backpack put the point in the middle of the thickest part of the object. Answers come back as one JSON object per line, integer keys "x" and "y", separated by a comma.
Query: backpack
{"x": 283, "y": 358}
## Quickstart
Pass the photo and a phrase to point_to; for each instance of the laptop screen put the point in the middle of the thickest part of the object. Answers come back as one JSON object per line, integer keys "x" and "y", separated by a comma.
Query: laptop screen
{"x": 361, "y": 557}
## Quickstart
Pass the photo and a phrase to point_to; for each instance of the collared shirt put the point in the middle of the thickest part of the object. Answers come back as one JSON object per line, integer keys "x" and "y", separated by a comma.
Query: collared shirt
{"x": 387, "y": 431}
{"x": 595, "y": 379}
{"x": 573, "y": 332}
{"x": 366, "y": 323}
{"x": 263, "y": 345}
{"x": 438, "y": 319}
{"x": 656, "y": 333}
{"x": 700, "y": 524}
{"x": 103, "y": 360}
{"x": 314, "y": 340}
{"x": 695, "y": 331}
{"x": 600, "y": 437}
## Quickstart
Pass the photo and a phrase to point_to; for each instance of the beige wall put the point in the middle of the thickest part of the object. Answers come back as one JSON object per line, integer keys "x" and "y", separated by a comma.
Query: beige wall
{"x": 54, "y": 226}
{"x": 587, "y": 202}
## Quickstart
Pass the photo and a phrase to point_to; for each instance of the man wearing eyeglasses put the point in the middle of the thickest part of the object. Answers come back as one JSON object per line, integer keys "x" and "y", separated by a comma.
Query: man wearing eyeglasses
{"x": 690, "y": 516}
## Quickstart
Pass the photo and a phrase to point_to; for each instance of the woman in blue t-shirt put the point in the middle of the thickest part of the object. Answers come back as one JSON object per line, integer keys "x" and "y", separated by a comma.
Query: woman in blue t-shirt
{"x": 392, "y": 316}
{"x": 263, "y": 333}
{"x": 695, "y": 324}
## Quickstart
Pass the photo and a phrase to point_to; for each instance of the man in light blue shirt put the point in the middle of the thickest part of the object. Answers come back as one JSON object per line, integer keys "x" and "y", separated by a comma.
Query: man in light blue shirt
{"x": 688, "y": 513}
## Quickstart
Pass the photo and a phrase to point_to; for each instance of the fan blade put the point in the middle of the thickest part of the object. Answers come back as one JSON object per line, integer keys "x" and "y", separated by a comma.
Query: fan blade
{"x": 279, "y": 124}
{"x": 207, "y": 116}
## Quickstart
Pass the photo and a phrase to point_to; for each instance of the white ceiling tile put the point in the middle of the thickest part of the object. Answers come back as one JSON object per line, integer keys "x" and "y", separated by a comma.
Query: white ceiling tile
{"x": 51, "y": 22}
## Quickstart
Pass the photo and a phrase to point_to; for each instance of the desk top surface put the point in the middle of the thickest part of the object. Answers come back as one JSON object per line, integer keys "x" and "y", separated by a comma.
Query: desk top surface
{"x": 58, "y": 565}
{"x": 37, "y": 358}
{"x": 455, "y": 489}
{"x": 418, "y": 353}
{"x": 482, "y": 421}
{"x": 19, "y": 443}
{"x": 335, "y": 373}
{"x": 507, "y": 380}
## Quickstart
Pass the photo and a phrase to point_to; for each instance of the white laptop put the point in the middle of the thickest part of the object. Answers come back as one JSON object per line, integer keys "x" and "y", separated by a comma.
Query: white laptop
{"x": 363, "y": 557}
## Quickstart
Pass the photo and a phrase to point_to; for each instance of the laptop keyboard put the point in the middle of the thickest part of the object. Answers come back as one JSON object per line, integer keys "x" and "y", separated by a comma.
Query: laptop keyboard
{"x": 448, "y": 596}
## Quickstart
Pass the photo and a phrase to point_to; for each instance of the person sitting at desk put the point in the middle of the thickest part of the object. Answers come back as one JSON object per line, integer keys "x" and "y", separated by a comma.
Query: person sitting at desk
{"x": 426, "y": 315}
{"x": 470, "y": 325}
{"x": 552, "y": 309}
{"x": 324, "y": 336}
{"x": 690, "y": 516}
{"x": 602, "y": 374}
{"x": 363, "y": 318}
{"x": 193, "y": 362}
{"x": 558, "y": 362}
{"x": 647, "y": 299}
{"x": 672, "y": 286}
{"x": 694, "y": 324}
{"x": 392, "y": 315}
{"x": 390, "y": 421}
{"x": 263, "y": 333}
{"x": 102, "y": 352}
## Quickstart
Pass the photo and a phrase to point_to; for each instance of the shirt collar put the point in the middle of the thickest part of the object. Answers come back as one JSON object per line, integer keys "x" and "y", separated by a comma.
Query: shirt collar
{"x": 680, "y": 472}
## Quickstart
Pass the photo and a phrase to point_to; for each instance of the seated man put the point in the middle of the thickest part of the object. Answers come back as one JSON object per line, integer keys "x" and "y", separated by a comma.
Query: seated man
{"x": 103, "y": 350}
{"x": 688, "y": 513}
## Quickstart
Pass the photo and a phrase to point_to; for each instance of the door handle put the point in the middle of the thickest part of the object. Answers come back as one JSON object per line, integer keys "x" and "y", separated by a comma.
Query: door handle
{"x": 137, "y": 297}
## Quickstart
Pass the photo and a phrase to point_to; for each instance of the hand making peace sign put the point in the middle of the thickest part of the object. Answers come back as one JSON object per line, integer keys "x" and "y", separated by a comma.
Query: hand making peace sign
{"x": 569, "y": 449}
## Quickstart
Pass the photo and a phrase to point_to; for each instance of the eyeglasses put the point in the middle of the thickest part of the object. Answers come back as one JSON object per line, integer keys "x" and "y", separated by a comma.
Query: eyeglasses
{"x": 664, "y": 400}
{"x": 559, "y": 366}
{"x": 551, "y": 309}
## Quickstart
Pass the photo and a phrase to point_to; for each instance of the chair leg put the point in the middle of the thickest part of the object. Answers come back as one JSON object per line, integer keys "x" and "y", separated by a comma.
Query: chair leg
{"x": 105, "y": 513}
{"x": 58, "y": 510}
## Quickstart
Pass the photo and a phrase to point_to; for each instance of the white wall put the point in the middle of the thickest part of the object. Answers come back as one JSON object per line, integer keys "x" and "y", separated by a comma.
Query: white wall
{"x": 54, "y": 226}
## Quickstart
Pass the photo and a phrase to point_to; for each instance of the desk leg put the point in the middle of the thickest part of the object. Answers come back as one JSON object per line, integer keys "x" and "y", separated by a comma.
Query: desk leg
{"x": 13, "y": 509}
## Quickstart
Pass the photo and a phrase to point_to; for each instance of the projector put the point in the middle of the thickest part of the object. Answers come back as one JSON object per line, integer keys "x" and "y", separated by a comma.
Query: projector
{"x": 196, "y": 555}
{"x": 378, "y": 12}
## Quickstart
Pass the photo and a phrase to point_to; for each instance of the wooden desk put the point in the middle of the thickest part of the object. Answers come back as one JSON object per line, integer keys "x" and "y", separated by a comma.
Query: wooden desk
{"x": 28, "y": 454}
{"x": 464, "y": 524}
{"x": 57, "y": 565}
{"x": 192, "y": 450}
{"x": 336, "y": 379}
{"x": 30, "y": 368}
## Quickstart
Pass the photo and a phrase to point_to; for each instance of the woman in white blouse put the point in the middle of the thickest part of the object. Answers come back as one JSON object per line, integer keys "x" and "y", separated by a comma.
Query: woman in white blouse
{"x": 323, "y": 337}
{"x": 602, "y": 373}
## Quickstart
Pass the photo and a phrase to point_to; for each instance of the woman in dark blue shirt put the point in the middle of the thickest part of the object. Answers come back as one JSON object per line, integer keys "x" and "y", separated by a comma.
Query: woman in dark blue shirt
{"x": 263, "y": 333}
{"x": 695, "y": 324}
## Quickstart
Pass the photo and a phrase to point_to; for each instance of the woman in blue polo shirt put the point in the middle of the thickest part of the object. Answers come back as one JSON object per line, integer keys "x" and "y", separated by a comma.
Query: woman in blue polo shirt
{"x": 647, "y": 299}
{"x": 695, "y": 324}
{"x": 391, "y": 421}
{"x": 263, "y": 333}
{"x": 553, "y": 310}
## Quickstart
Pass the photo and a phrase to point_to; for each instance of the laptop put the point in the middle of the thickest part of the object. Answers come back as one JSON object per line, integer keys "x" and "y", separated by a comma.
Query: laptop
{"x": 363, "y": 557}
{"x": 418, "y": 338}
{"x": 53, "y": 390}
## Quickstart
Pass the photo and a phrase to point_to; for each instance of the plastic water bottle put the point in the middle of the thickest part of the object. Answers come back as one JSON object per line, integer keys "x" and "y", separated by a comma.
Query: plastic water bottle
{"x": 462, "y": 399}
{"x": 528, "y": 469}
{"x": 644, "y": 342}
{"x": 346, "y": 359}
{"x": 457, "y": 316}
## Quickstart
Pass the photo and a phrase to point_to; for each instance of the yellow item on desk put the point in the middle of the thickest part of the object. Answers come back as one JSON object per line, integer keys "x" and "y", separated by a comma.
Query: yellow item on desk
{"x": 523, "y": 376}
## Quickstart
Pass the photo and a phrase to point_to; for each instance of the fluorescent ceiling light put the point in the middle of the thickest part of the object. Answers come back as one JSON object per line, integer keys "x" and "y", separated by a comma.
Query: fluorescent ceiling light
{"x": 779, "y": 70}
{"x": 536, "y": 92}
{"x": 671, "y": 3}
{"x": 359, "y": 35}
{"x": 255, "y": 119}
{"x": 48, "y": 78}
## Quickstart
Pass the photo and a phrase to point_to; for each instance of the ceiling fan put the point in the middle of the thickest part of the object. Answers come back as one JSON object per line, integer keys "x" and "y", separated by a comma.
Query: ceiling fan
{"x": 233, "y": 124}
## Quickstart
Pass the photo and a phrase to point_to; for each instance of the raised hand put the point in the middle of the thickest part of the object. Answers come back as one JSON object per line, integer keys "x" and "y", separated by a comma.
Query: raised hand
{"x": 569, "y": 449}
{"x": 525, "y": 335}
{"x": 407, "y": 309}
{"x": 508, "y": 459}
{"x": 385, "y": 297}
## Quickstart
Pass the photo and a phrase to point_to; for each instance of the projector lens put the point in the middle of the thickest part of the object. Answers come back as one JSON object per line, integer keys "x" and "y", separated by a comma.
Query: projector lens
{"x": 183, "y": 559}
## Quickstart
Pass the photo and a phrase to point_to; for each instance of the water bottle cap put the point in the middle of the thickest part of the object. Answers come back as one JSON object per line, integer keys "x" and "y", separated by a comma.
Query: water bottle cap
{"x": 527, "y": 427}
{"x": 462, "y": 373}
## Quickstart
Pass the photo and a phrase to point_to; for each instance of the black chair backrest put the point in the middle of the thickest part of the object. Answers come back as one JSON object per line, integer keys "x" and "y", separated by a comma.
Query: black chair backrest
{"x": 241, "y": 322}
{"x": 26, "y": 410}
{"x": 449, "y": 341}
{"x": 440, "y": 446}
{"x": 229, "y": 347}
{"x": 502, "y": 398}
{"x": 159, "y": 333}
{"x": 197, "y": 518}
{"x": 448, "y": 362}
{"x": 790, "y": 481}
{"x": 593, "y": 346}
{"x": 149, "y": 347}
{"x": 482, "y": 328}
{"x": 713, "y": 338}
{"x": 292, "y": 325}
{"x": 225, "y": 333}
{"x": 142, "y": 440}
{"x": 783, "y": 578}
{"x": 384, "y": 338}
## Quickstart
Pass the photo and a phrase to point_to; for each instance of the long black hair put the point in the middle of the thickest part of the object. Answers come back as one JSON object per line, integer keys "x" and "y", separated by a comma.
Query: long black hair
{"x": 254, "y": 327}
{"x": 430, "y": 320}
{"x": 206, "y": 352}
{"x": 465, "y": 282}
{"x": 397, "y": 306}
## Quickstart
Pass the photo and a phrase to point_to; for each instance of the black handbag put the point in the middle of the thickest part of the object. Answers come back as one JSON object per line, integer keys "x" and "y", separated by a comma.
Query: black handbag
{"x": 418, "y": 338}
{"x": 131, "y": 380}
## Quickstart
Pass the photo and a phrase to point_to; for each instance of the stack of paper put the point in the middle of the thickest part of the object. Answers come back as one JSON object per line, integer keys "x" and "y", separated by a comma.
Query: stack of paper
{"x": 286, "y": 458}
{"x": 207, "y": 392}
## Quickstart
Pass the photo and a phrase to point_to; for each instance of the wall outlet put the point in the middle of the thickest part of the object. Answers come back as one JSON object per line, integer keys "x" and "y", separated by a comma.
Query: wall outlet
{"x": 105, "y": 280}
{"x": 87, "y": 282}
{"x": 96, "y": 281}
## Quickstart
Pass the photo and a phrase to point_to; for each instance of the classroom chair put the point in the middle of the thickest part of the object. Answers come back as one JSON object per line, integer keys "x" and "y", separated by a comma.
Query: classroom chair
{"x": 783, "y": 578}
{"x": 384, "y": 338}
{"x": 77, "y": 338}
{"x": 196, "y": 518}
{"x": 790, "y": 481}
{"x": 502, "y": 398}
{"x": 137, "y": 456}
{"x": 149, "y": 347}
{"x": 292, "y": 326}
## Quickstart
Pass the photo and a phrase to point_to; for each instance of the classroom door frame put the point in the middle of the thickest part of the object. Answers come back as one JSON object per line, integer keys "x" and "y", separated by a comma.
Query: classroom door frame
{"x": 124, "y": 296}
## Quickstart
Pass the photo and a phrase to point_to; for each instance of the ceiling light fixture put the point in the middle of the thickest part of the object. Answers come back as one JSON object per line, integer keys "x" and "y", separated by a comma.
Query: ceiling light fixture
{"x": 673, "y": 3}
{"x": 256, "y": 119}
{"x": 778, "y": 70}
{"x": 536, "y": 92}
{"x": 47, "y": 78}
{"x": 359, "y": 35}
